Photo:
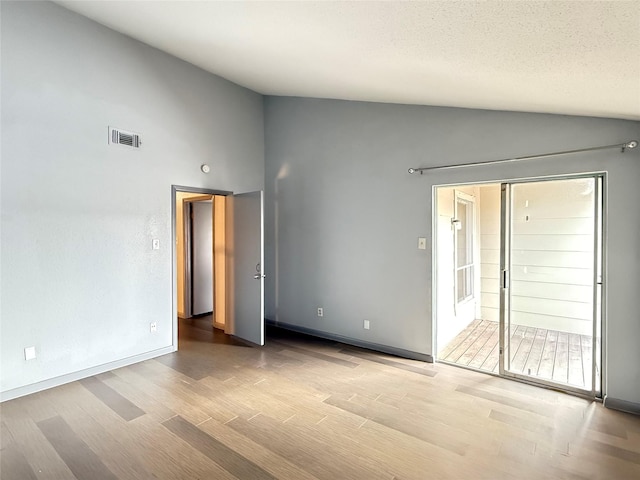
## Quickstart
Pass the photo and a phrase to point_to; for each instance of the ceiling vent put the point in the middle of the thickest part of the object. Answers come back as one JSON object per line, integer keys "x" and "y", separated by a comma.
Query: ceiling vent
{"x": 122, "y": 137}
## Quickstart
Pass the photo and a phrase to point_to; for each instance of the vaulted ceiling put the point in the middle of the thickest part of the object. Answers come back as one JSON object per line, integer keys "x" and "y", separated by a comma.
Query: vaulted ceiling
{"x": 564, "y": 57}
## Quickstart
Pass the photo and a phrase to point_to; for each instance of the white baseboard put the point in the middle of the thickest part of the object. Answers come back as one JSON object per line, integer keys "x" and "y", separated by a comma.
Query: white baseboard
{"x": 79, "y": 375}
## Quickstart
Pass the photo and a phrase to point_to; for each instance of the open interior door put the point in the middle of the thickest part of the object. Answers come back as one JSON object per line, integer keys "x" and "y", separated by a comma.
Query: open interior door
{"x": 247, "y": 245}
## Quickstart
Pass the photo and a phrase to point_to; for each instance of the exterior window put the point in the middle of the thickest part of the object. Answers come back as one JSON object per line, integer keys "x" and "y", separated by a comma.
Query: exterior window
{"x": 463, "y": 224}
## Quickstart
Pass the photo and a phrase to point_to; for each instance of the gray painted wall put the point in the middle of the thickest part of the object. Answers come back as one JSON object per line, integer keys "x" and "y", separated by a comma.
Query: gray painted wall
{"x": 80, "y": 281}
{"x": 343, "y": 215}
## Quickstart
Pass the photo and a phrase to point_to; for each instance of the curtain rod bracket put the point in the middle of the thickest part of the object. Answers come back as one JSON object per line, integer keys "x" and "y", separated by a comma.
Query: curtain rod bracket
{"x": 630, "y": 145}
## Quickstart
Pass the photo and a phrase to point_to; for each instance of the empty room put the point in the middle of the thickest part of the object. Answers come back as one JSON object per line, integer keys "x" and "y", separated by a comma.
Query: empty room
{"x": 319, "y": 240}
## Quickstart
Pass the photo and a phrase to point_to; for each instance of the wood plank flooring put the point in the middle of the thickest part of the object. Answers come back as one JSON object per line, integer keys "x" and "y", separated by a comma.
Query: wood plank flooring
{"x": 547, "y": 354}
{"x": 303, "y": 408}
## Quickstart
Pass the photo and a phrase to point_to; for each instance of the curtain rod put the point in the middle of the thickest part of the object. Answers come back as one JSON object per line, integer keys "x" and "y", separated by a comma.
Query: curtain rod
{"x": 622, "y": 146}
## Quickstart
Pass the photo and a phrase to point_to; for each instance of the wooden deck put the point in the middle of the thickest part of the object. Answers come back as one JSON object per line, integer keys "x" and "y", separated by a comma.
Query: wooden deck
{"x": 546, "y": 354}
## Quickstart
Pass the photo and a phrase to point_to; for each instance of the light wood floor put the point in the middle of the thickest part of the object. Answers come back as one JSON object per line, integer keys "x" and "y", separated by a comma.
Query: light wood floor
{"x": 302, "y": 408}
{"x": 546, "y": 354}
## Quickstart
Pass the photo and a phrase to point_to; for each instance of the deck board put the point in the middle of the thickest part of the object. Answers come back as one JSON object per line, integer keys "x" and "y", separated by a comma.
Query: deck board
{"x": 547, "y": 354}
{"x": 535, "y": 355}
{"x": 483, "y": 345}
{"x": 586, "y": 346}
{"x": 453, "y": 344}
{"x": 561, "y": 364}
{"x": 576, "y": 373}
{"x": 521, "y": 356}
{"x": 462, "y": 353}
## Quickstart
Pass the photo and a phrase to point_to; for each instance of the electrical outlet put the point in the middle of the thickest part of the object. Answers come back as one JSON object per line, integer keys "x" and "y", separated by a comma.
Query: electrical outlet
{"x": 153, "y": 327}
{"x": 155, "y": 244}
{"x": 29, "y": 353}
{"x": 422, "y": 243}
{"x": 366, "y": 325}
{"x": 320, "y": 312}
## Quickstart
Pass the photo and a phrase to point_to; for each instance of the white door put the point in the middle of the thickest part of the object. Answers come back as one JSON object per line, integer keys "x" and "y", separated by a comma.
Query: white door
{"x": 248, "y": 261}
{"x": 202, "y": 258}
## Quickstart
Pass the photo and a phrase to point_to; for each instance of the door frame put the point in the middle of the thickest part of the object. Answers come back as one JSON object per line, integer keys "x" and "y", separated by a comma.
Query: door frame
{"x": 174, "y": 253}
{"x": 603, "y": 268}
{"x": 469, "y": 200}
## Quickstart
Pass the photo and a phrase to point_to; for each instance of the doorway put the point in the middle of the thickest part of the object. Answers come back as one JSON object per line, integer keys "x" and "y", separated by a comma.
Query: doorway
{"x": 200, "y": 256}
{"x": 519, "y": 280}
{"x": 218, "y": 261}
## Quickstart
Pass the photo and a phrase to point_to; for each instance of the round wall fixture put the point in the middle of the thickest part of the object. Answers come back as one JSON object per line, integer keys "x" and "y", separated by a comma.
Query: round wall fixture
{"x": 205, "y": 168}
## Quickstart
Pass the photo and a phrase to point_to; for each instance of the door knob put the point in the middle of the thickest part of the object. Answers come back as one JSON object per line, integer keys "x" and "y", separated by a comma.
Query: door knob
{"x": 258, "y": 275}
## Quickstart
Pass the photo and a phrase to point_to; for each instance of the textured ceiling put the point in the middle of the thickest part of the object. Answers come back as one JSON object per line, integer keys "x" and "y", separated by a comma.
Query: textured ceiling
{"x": 573, "y": 57}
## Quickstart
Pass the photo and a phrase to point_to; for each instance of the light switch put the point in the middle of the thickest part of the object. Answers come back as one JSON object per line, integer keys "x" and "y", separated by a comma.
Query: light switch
{"x": 155, "y": 244}
{"x": 29, "y": 353}
{"x": 422, "y": 243}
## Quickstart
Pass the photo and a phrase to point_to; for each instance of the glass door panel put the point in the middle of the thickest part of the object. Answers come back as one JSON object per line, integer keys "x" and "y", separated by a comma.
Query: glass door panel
{"x": 550, "y": 266}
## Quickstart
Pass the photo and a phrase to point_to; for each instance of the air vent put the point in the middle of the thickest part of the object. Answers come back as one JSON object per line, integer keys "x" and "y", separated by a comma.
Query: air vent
{"x": 122, "y": 137}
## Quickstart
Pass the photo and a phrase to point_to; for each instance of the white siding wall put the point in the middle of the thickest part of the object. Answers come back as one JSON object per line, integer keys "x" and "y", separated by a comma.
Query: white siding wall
{"x": 489, "y": 220}
{"x": 552, "y": 255}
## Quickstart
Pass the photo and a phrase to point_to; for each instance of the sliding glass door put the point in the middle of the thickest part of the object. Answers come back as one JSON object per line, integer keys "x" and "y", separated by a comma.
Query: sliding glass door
{"x": 551, "y": 282}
